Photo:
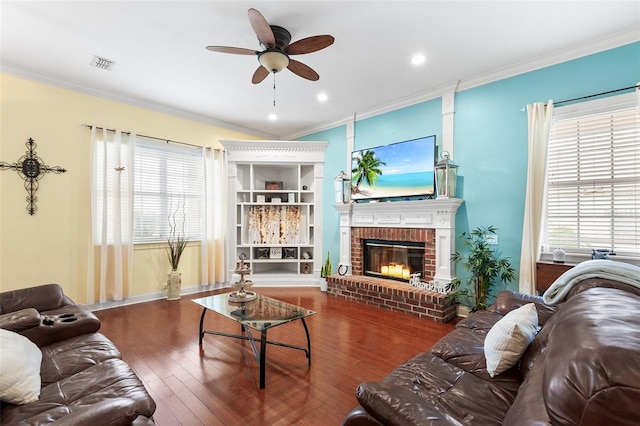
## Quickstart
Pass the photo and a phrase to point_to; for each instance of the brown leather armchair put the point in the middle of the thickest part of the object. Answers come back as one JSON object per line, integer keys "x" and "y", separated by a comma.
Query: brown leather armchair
{"x": 83, "y": 379}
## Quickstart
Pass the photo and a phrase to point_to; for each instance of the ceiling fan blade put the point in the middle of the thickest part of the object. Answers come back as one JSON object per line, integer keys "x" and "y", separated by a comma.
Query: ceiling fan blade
{"x": 302, "y": 70}
{"x": 261, "y": 28}
{"x": 310, "y": 44}
{"x": 260, "y": 74}
{"x": 234, "y": 50}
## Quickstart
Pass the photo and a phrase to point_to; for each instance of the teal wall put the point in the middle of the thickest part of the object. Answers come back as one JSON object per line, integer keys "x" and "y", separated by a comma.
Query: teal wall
{"x": 490, "y": 140}
{"x": 424, "y": 119}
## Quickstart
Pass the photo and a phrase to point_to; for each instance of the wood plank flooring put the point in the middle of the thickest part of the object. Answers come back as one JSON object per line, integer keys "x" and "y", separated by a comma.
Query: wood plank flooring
{"x": 350, "y": 343}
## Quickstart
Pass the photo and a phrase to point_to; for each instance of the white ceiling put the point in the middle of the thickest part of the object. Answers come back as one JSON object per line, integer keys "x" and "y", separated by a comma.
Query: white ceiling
{"x": 161, "y": 61}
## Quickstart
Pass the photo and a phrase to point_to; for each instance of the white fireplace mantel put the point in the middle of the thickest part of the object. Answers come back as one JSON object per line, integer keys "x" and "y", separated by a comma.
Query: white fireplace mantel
{"x": 438, "y": 214}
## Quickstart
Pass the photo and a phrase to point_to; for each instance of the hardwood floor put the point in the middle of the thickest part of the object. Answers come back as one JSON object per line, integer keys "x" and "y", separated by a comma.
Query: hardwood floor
{"x": 350, "y": 343}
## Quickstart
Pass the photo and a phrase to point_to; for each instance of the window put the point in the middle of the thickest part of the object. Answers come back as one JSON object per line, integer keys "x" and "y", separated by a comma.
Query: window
{"x": 593, "y": 177}
{"x": 168, "y": 181}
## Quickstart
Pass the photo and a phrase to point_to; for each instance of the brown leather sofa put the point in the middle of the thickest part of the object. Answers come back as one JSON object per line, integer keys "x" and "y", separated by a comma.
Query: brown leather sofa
{"x": 582, "y": 368}
{"x": 84, "y": 381}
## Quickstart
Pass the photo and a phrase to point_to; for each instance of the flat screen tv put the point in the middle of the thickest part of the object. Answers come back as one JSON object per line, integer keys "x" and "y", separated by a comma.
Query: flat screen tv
{"x": 396, "y": 171}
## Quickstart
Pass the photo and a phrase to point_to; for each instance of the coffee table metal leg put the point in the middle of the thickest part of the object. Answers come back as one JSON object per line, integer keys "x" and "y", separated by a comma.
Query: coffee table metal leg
{"x": 306, "y": 330}
{"x": 201, "y": 333}
{"x": 263, "y": 357}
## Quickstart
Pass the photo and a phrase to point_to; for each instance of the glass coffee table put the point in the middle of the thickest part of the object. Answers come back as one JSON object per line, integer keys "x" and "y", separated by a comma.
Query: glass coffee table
{"x": 260, "y": 315}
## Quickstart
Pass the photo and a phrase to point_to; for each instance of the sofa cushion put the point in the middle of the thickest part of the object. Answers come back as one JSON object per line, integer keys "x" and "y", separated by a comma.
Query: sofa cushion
{"x": 67, "y": 357}
{"x": 426, "y": 390}
{"x": 19, "y": 368}
{"x": 464, "y": 348}
{"x": 480, "y": 320}
{"x": 112, "y": 379}
{"x": 508, "y": 338}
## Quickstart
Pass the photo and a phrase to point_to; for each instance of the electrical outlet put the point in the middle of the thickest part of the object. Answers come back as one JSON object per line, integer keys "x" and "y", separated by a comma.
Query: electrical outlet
{"x": 491, "y": 239}
{"x": 164, "y": 285}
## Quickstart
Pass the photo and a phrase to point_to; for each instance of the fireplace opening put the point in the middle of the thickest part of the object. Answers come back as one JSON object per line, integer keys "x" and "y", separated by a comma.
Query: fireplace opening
{"x": 393, "y": 259}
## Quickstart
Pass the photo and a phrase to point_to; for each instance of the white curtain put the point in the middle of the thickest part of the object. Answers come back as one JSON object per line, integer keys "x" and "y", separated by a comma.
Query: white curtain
{"x": 111, "y": 248}
{"x": 214, "y": 217}
{"x": 539, "y": 126}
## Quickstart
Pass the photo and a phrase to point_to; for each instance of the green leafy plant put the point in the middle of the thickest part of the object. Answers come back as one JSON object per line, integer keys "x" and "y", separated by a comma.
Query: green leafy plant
{"x": 485, "y": 266}
{"x": 326, "y": 269}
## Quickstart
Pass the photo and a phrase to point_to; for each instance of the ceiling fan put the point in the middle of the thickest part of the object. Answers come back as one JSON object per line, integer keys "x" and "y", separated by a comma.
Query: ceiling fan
{"x": 277, "y": 51}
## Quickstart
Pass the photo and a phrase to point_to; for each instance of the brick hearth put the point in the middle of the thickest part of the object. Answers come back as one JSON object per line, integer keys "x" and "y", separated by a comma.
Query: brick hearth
{"x": 393, "y": 295}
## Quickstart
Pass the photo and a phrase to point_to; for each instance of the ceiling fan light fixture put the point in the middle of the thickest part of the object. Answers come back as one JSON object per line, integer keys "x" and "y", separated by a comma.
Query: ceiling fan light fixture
{"x": 273, "y": 60}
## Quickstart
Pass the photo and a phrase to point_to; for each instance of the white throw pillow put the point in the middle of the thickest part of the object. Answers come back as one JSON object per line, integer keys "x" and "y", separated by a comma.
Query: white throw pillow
{"x": 508, "y": 338}
{"x": 20, "y": 361}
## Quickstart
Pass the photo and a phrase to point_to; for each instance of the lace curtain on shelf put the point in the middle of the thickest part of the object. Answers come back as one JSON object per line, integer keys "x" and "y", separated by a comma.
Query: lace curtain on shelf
{"x": 274, "y": 225}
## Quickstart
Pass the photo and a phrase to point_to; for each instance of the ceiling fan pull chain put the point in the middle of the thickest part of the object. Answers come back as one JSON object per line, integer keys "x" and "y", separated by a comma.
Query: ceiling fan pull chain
{"x": 274, "y": 89}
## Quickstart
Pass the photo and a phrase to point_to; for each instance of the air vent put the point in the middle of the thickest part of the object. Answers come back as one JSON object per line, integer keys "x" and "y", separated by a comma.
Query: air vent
{"x": 102, "y": 63}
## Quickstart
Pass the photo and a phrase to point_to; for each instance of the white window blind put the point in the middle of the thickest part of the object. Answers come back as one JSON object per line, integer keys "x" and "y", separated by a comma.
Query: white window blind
{"x": 168, "y": 181}
{"x": 593, "y": 177}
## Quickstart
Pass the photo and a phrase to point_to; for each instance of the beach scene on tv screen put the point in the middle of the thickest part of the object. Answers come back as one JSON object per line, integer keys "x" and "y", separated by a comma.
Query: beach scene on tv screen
{"x": 401, "y": 169}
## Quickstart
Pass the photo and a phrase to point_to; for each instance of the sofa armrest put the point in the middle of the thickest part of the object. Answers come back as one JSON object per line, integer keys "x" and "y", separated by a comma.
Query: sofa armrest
{"x": 108, "y": 412}
{"x": 42, "y": 298}
{"x": 507, "y": 301}
{"x": 21, "y": 320}
{"x": 61, "y": 324}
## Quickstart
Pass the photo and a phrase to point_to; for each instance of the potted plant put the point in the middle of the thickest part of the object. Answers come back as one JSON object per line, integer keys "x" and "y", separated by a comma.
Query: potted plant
{"x": 176, "y": 245}
{"x": 485, "y": 266}
{"x": 325, "y": 271}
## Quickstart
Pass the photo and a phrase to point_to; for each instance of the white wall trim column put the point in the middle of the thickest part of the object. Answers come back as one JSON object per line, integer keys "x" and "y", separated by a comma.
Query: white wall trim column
{"x": 448, "y": 112}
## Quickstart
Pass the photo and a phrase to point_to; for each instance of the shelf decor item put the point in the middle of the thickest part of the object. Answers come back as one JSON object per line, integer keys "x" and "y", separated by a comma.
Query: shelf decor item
{"x": 275, "y": 253}
{"x": 273, "y": 185}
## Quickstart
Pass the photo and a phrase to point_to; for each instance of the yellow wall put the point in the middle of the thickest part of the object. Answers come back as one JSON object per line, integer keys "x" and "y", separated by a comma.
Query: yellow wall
{"x": 52, "y": 245}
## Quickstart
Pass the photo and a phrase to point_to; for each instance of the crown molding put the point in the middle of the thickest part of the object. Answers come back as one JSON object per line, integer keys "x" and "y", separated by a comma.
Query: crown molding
{"x": 60, "y": 82}
{"x": 617, "y": 40}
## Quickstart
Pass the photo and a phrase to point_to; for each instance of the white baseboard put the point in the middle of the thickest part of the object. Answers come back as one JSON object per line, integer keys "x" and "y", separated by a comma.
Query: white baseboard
{"x": 198, "y": 289}
{"x": 153, "y": 296}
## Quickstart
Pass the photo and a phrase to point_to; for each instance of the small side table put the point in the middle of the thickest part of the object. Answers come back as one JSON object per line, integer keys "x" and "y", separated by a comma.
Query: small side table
{"x": 548, "y": 272}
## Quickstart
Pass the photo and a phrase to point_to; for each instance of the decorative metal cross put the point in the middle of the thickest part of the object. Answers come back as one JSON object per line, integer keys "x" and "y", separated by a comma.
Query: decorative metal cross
{"x": 31, "y": 168}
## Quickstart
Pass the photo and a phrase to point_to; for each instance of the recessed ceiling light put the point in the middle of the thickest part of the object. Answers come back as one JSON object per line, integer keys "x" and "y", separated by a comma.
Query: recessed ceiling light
{"x": 273, "y": 117}
{"x": 323, "y": 97}
{"x": 418, "y": 59}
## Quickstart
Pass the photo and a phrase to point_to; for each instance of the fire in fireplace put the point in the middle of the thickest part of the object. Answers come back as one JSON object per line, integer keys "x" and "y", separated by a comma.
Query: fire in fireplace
{"x": 393, "y": 259}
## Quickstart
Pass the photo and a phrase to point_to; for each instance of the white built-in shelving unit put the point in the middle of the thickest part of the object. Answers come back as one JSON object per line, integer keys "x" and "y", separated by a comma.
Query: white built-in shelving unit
{"x": 275, "y": 210}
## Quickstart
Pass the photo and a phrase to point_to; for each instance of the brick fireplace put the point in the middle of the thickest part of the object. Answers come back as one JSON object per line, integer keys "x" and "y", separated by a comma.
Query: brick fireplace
{"x": 429, "y": 221}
